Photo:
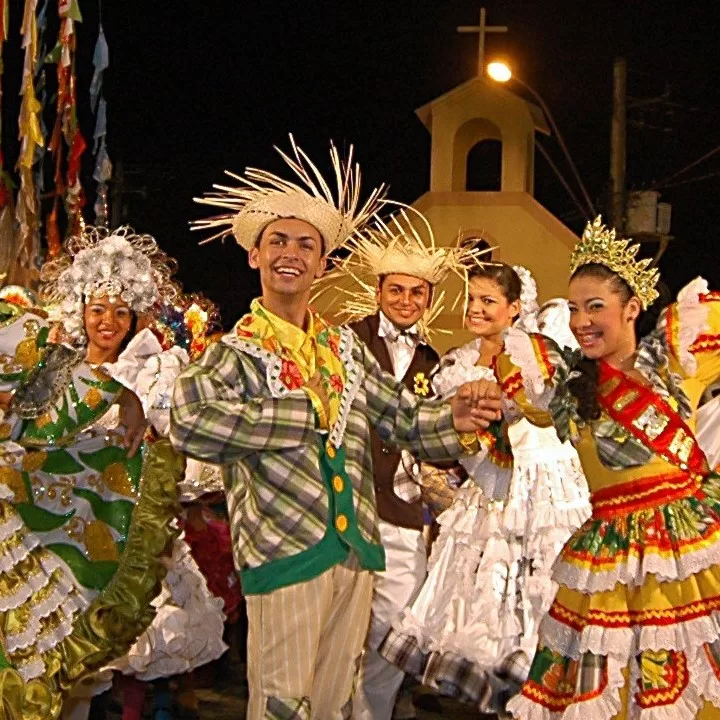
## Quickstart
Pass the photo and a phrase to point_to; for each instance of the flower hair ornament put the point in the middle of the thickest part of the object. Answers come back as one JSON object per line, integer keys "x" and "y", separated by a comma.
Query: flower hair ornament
{"x": 395, "y": 246}
{"x": 262, "y": 197}
{"x": 187, "y": 322}
{"x": 529, "y": 307}
{"x": 119, "y": 264}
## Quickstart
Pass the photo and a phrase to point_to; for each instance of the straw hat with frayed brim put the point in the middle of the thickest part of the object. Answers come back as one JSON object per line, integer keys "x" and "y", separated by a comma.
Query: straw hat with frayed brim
{"x": 262, "y": 197}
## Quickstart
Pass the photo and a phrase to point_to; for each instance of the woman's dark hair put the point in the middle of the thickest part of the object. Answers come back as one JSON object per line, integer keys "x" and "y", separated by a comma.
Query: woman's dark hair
{"x": 131, "y": 331}
{"x": 583, "y": 385}
{"x": 505, "y": 277}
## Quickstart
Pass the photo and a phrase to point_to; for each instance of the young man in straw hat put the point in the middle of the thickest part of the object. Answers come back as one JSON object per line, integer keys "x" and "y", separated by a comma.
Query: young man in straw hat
{"x": 393, "y": 277}
{"x": 286, "y": 402}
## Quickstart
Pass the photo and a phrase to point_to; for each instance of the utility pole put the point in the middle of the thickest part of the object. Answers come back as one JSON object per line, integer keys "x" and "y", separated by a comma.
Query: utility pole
{"x": 617, "y": 146}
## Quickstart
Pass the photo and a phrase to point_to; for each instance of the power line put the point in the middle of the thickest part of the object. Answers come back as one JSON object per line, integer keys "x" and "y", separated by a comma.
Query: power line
{"x": 682, "y": 171}
{"x": 698, "y": 178}
{"x": 565, "y": 184}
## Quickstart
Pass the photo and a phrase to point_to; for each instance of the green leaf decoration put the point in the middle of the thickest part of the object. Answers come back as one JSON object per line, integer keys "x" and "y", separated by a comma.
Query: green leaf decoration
{"x": 93, "y": 575}
{"x": 42, "y": 336}
{"x": 27, "y": 482}
{"x": 40, "y": 520}
{"x": 115, "y": 513}
{"x": 61, "y": 462}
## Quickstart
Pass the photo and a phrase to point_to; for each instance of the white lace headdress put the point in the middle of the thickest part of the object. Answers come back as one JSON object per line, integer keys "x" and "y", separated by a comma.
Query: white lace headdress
{"x": 98, "y": 262}
{"x": 263, "y": 197}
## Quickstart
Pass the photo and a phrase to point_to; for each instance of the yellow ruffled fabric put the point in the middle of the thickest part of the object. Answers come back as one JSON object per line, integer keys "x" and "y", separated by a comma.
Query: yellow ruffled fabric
{"x": 110, "y": 625}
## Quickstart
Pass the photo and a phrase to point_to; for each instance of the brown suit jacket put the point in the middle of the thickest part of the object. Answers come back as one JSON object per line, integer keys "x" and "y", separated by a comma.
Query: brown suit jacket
{"x": 386, "y": 457}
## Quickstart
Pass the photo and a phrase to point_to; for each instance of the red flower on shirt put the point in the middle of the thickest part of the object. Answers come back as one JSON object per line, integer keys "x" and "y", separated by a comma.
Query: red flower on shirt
{"x": 290, "y": 375}
{"x": 334, "y": 345}
{"x": 336, "y": 383}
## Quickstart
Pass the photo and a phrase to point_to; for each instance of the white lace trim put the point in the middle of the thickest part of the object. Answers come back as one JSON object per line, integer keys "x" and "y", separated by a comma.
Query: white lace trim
{"x": 64, "y": 578}
{"x": 18, "y": 553}
{"x": 684, "y": 708}
{"x": 458, "y": 367}
{"x": 273, "y": 365}
{"x": 49, "y": 640}
{"x": 33, "y": 583}
{"x": 352, "y": 384}
{"x": 33, "y": 669}
{"x": 10, "y": 526}
{"x": 56, "y": 600}
{"x": 692, "y": 321}
{"x": 624, "y": 643}
{"x": 519, "y": 347}
{"x": 704, "y": 678}
{"x": 633, "y": 572}
{"x": 603, "y": 707}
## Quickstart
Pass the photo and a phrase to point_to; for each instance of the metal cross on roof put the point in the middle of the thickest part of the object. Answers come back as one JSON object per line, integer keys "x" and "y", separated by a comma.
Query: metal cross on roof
{"x": 481, "y": 30}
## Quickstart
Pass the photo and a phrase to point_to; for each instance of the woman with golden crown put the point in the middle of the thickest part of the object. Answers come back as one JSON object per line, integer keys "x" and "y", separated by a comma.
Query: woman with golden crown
{"x": 634, "y": 629}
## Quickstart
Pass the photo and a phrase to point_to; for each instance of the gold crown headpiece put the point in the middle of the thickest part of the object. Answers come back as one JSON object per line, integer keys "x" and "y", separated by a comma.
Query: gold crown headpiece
{"x": 395, "y": 246}
{"x": 599, "y": 244}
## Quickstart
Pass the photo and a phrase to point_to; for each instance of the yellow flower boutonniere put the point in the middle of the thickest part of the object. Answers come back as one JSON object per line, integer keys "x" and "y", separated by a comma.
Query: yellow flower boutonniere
{"x": 422, "y": 385}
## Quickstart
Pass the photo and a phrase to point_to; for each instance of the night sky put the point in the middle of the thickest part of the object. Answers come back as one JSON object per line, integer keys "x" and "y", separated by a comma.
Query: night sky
{"x": 198, "y": 87}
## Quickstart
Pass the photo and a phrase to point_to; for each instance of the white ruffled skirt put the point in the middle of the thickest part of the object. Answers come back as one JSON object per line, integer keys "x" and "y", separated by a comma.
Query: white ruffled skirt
{"x": 188, "y": 629}
{"x": 489, "y": 580}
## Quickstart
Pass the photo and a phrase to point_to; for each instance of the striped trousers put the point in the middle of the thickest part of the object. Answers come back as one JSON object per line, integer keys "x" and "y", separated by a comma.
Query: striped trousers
{"x": 304, "y": 646}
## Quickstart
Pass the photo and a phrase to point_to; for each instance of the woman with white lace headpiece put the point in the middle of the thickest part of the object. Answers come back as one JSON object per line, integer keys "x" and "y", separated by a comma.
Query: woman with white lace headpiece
{"x": 489, "y": 572}
{"x": 107, "y": 285}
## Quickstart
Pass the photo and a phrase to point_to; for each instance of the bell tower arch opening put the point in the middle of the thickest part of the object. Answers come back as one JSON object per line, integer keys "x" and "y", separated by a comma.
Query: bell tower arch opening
{"x": 484, "y": 167}
{"x": 486, "y": 136}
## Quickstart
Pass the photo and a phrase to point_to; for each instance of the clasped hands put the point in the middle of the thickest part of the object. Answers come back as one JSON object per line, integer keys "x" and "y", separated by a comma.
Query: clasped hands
{"x": 475, "y": 405}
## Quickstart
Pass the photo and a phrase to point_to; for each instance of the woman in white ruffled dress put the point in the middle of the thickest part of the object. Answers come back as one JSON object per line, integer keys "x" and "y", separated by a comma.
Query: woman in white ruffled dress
{"x": 187, "y": 630}
{"x": 489, "y": 571}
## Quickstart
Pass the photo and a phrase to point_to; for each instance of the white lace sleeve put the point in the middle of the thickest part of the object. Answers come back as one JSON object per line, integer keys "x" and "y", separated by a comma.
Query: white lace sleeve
{"x": 133, "y": 358}
{"x": 154, "y": 386}
{"x": 522, "y": 349}
{"x": 554, "y": 322}
{"x": 150, "y": 372}
{"x": 684, "y": 321}
{"x": 458, "y": 367}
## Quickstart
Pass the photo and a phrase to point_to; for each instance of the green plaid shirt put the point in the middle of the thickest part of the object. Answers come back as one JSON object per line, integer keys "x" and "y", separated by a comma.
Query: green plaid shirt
{"x": 287, "y": 485}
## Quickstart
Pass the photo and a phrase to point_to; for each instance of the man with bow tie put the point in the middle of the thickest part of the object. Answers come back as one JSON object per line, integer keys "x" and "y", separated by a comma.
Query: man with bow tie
{"x": 407, "y": 271}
